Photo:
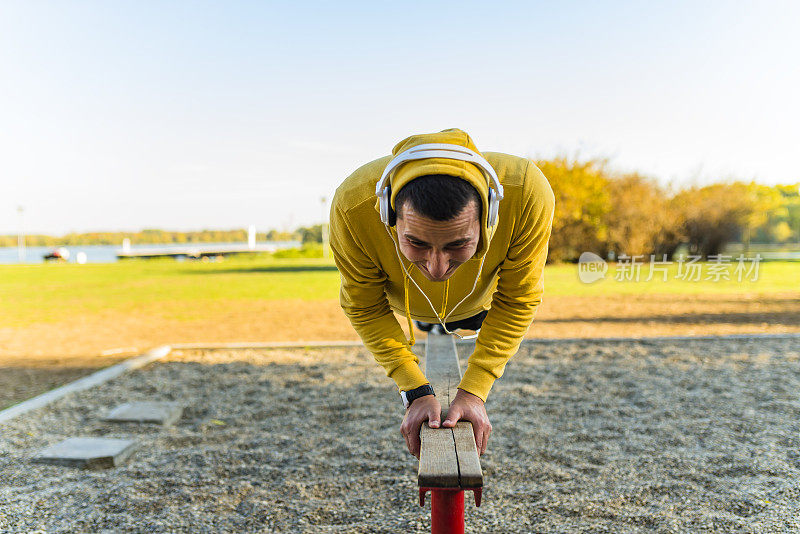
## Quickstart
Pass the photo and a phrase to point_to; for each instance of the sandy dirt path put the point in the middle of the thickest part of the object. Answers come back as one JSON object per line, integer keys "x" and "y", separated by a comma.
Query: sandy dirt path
{"x": 698, "y": 436}
{"x": 39, "y": 357}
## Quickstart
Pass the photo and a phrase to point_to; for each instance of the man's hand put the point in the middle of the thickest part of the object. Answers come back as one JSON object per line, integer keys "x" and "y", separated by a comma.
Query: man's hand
{"x": 469, "y": 407}
{"x": 423, "y": 409}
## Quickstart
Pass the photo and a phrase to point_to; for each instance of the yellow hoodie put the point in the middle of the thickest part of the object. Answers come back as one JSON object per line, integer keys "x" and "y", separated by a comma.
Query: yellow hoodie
{"x": 510, "y": 285}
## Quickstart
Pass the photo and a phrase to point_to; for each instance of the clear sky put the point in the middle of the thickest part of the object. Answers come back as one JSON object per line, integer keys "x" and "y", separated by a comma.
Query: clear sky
{"x": 189, "y": 115}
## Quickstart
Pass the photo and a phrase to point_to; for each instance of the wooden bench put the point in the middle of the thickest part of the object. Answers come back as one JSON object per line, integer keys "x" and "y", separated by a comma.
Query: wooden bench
{"x": 448, "y": 460}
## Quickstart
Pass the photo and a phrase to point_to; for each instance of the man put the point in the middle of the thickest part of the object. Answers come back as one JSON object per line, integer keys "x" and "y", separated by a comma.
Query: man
{"x": 432, "y": 234}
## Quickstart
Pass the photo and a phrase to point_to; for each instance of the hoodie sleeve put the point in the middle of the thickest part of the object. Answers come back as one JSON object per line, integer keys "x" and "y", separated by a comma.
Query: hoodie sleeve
{"x": 519, "y": 288}
{"x": 364, "y": 301}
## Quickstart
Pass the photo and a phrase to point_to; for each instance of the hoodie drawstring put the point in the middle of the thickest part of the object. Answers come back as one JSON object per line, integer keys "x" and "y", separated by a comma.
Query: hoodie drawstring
{"x": 413, "y": 340}
{"x": 444, "y": 299}
{"x": 408, "y": 310}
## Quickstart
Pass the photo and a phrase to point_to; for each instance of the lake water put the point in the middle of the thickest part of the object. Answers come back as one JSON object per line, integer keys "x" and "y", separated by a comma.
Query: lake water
{"x": 108, "y": 253}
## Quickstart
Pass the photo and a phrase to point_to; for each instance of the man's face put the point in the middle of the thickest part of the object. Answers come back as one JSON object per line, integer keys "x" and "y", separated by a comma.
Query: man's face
{"x": 437, "y": 248}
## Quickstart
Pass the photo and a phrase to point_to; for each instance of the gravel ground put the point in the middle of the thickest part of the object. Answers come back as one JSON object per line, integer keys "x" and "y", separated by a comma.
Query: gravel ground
{"x": 619, "y": 436}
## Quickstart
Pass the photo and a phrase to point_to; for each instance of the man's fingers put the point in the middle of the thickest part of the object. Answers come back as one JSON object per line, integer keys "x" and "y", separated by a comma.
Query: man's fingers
{"x": 412, "y": 442}
{"x": 434, "y": 418}
{"x": 410, "y": 430}
{"x": 487, "y": 431}
{"x": 415, "y": 444}
{"x": 408, "y": 443}
{"x": 453, "y": 415}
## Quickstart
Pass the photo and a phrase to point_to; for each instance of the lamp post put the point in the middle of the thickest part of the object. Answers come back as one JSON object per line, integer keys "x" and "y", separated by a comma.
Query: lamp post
{"x": 21, "y": 235}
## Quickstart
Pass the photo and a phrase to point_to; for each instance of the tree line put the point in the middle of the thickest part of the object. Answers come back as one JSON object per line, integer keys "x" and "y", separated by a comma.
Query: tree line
{"x": 150, "y": 236}
{"x": 611, "y": 214}
{"x": 597, "y": 210}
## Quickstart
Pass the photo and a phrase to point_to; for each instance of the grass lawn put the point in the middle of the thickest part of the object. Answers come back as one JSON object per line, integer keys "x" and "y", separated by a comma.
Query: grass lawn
{"x": 61, "y": 321}
{"x": 168, "y": 289}
{"x": 71, "y": 309}
{"x": 51, "y": 292}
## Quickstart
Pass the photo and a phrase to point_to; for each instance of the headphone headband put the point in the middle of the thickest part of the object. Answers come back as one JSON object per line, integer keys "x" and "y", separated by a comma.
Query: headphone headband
{"x": 441, "y": 150}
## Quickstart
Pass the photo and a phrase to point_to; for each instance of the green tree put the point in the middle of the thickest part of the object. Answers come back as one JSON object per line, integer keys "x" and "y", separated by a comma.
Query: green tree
{"x": 275, "y": 235}
{"x": 638, "y": 221}
{"x": 312, "y": 234}
{"x": 782, "y": 223}
{"x": 716, "y": 214}
{"x": 582, "y": 206}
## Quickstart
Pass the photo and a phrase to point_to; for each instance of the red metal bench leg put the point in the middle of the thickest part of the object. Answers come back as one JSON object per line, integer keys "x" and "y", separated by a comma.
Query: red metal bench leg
{"x": 447, "y": 509}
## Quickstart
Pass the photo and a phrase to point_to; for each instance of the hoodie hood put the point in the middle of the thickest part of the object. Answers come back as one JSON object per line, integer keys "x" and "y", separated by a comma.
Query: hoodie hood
{"x": 411, "y": 170}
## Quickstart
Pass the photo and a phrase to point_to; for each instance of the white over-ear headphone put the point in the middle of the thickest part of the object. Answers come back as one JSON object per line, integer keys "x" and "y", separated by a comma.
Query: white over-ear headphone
{"x": 440, "y": 150}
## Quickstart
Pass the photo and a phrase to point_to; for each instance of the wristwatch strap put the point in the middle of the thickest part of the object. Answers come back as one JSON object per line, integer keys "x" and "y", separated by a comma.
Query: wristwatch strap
{"x": 412, "y": 394}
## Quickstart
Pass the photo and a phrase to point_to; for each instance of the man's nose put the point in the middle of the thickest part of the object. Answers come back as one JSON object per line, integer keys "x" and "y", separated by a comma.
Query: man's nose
{"x": 437, "y": 264}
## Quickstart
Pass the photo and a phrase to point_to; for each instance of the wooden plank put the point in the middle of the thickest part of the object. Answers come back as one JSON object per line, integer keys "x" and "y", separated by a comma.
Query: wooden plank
{"x": 442, "y": 369}
{"x": 469, "y": 463}
{"x": 441, "y": 464}
{"x": 438, "y": 464}
{"x": 438, "y": 461}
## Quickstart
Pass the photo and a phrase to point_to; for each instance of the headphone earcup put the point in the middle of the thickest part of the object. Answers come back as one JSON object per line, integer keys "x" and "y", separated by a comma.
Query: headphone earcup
{"x": 383, "y": 203}
{"x": 494, "y": 208}
{"x": 388, "y": 216}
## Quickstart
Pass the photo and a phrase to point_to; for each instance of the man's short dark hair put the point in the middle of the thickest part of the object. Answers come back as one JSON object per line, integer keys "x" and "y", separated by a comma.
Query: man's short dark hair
{"x": 440, "y": 197}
